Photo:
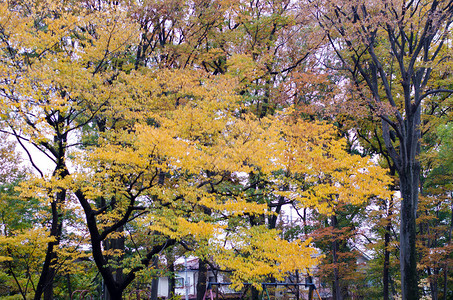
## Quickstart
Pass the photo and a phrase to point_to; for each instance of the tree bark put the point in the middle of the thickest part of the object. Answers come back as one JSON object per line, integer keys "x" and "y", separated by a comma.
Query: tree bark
{"x": 115, "y": 244}
{"x": 155, "y": 281}
{"x": 255, "y": 293}
{"x": 386, "y": 273}
{"x": 336, "y": 290}
{"x": 115, "y": 284}
{"x": 409, "y": 179}
{"x": 445, "y": 290}
{"x": 297, "y": 287}
{"x": 171, "y": 278}
{"x": 68, "y": 282}
{"x": 433, "y": 285}
{"x": 202, "y": 278}
{"x": 310, "y": 288}
{"x": 45, "y": 283}
{"x": 387, "y": 237}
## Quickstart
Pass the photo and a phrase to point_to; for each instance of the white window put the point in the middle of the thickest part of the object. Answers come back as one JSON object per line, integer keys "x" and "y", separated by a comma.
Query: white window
{"x": 179, "y": 282}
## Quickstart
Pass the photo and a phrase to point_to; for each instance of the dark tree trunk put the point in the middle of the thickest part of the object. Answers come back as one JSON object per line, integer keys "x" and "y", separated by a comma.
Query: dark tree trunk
{"x": 408, "y": 257}
{"x": 433, "y": 285}
{"x": 115, "y": 282}
{"x": 68, "y": 282}
{"x": 171, "y": 279}
{"x": 202, "y": 278}
{"x": 255, "y": 294}
{"x": 407, "y": 165}
{"x": 386, "y": 273}
{"x": 44, "y": 287}
{"x": 278, "y": 207}
{"x": 297, "y": 287}
{"x": 116, "y": 244}
{"x": 336, "y": 290}
{"x": 310, "y": 288}
{"x": 386, "y": 269}
{"x": 445, "y": 290}
{"x": 155, "y": 281}
{"x": 48, "y": 289}
{"x": 117, "y": 272}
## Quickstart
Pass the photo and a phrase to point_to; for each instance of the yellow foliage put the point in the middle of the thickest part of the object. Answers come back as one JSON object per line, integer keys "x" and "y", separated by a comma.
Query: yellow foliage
{"x": 188, "y": 127}
{"x": 175, "y": 143}
{"x": 314, "y": 156}
{"x": 29, "y": 245}
{"x": 257, "y": 252}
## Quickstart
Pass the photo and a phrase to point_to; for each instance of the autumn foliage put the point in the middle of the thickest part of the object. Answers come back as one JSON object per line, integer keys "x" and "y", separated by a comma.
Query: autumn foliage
{"x": 159, "y": 128}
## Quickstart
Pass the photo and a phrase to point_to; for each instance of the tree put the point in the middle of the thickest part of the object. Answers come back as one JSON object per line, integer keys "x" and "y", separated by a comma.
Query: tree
{"x": 391, "y": 50}
{"x": 338, "y": 202}
{"x": 167, "y": 175}
{"x": 46, "y": 87}
{"x": 17, "y": 220}
{"x": 435, "y": 211}
{"x": 176, "y": 155}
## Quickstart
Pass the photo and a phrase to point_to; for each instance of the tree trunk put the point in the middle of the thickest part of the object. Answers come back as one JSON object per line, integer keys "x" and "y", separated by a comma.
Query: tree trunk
{"x": 310, "y": 288}
{"x": 446, "y": 264}
{"x": 171, "y": 278}
{"x": 297, "y": 287}
{"x": 48, "y": 289}
{"x": 115, "y": 296}
{"x": 255, "y": 294}
{"x": 68, "y": 282}
{"x": 336, "y": 291}
{"x": 202, "y": 278}
{"x": 155, "y": 281}
{"x": 408, "y": 258}
{"x": 386, "y": 271}
{"x": 115, "y": 244}
{"x": 433, "y": 285}
{"x": 408, "y": 167}
{"x": 45, "y": 283}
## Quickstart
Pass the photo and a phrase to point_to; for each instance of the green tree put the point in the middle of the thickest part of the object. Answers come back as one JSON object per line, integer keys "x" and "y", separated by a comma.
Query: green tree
{"x": 435, "y": 211}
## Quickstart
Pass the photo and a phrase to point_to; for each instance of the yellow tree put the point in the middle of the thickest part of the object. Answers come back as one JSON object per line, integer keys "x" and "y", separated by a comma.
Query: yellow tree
{"x": 157, "y": 174}
{"x": 18, "y": 259}
{"x": 52, "y": 55}
{"x": 165, "y": 150}
{"x": 173, "y": 165}
{"x": 333, "y": 179}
